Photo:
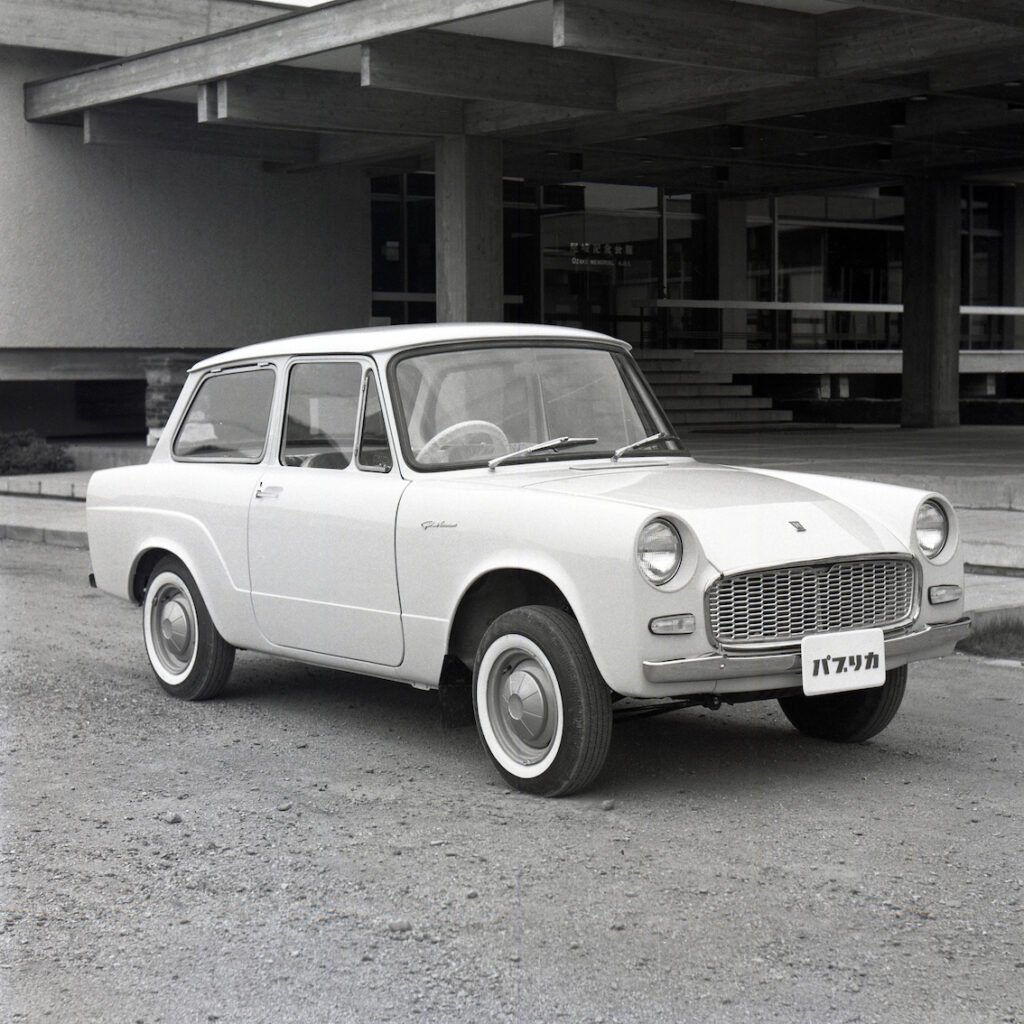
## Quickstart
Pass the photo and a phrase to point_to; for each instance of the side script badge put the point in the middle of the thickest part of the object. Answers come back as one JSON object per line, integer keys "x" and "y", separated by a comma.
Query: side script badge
{"x": 798, "y": 526}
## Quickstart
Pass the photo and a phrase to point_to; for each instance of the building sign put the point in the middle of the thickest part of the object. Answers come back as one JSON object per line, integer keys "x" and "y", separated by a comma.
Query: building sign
{"x": 601, "y": 254}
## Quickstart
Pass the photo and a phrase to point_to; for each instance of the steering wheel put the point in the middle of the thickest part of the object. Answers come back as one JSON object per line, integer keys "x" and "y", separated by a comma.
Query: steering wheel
{"x": 463, "y": 431}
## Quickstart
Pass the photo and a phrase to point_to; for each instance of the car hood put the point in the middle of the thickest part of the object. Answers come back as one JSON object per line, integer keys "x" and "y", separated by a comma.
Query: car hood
{"x": 741, "y": 518}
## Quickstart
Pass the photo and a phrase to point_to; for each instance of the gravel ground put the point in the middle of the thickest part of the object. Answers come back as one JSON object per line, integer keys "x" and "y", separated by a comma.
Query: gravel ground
{"x": 315, "y": 847}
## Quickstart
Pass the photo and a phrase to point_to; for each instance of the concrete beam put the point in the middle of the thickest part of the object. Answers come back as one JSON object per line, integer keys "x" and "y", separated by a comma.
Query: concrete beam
{"x": 324, "y": 101}
{"x": 972, "y": 71}
{"x": 100, "y": 28}
{"x": 475, "y": 67}
{"x": 372, "y": 150}
{"x": 859, "y": 43}
{"x": 701, "y": 33}
{"x": 289, "y": 37}
{"x": 999, "y": 12}
{"x": 651, "y": 87}
{"x": 172, "y": 126}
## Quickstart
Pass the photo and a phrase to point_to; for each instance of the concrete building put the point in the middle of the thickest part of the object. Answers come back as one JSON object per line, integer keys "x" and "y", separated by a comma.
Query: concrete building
{"x": 791, "y": 207}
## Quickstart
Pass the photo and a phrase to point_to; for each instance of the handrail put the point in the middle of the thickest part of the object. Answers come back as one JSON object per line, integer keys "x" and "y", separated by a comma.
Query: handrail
{"x": 816, "y": 307}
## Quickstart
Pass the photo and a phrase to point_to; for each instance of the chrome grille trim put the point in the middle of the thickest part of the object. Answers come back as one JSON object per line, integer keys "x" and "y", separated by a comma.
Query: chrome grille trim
{"x": 777, "y": 607}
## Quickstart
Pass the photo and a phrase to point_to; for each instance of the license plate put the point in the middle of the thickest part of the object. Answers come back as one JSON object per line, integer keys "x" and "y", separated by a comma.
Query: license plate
{"x": 835, "y": 662}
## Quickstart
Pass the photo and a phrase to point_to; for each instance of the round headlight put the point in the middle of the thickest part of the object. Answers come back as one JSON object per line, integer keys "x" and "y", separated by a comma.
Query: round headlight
{"x": 659, "y": 552}
{"x": 931, "y": 528}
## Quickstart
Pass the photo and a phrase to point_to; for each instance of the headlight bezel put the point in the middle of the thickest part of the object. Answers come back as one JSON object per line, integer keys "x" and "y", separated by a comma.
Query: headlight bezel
{"x": 671, "y": 544}
{"x": 939, "y": 525}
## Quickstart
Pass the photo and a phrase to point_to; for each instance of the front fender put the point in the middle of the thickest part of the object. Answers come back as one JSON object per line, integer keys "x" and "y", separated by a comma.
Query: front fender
{"x": 584, "y": 548}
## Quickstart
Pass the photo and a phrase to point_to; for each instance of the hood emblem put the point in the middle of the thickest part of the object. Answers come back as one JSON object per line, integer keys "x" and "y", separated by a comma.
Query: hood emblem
{"x": 798, "y": 526}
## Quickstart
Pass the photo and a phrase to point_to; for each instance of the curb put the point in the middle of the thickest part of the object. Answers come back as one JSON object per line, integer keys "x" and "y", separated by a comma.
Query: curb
{"x": 35, "y": 487}
{"x": 45, "y": 535}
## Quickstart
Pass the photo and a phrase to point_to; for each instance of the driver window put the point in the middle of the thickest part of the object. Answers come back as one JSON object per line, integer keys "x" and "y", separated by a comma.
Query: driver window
{"x": 323, "y": 404}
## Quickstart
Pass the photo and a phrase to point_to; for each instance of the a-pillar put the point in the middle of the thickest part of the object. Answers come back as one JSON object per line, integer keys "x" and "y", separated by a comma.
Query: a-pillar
{"x": 931, "y": 303}
{"x": 165, "y": 374}
{"x": 468, "y": 215}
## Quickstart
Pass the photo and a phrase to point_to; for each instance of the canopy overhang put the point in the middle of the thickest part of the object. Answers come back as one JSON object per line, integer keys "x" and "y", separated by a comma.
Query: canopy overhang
{"x": 693, "y": 95}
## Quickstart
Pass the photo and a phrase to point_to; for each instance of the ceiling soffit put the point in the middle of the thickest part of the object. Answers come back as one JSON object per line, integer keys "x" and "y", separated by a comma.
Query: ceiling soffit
{"x": 688, "y": 94}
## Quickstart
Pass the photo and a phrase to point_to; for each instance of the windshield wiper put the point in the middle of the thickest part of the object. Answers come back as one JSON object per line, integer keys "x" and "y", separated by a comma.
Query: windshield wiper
{"x": 551, "y": 445}
{"x": 644, "y": 442}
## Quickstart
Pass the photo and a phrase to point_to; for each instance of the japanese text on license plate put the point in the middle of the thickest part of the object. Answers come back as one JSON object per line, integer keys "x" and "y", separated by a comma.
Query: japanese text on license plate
{"x": 836, "y": 662}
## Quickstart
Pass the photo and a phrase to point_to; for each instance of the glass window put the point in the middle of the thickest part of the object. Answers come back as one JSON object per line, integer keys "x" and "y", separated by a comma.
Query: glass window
{"x": 323, "y": 409}
{"x": 374, "y": 448}
{"x": 601, "y": 258}
{"x": 421, "y": 274}
{"x": 388, "y": 246}
{"x": 404, "y": 249}
{"x": 228, "y": 418}
{"x": 464, "y": 407}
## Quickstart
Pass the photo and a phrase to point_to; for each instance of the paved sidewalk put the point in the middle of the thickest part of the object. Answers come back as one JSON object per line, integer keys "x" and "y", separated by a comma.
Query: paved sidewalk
{"x": 981, "y": 470}
{"x": 50, "y": 485}
{"x": 975, "y": 467}
{"x": 43, "y": 520}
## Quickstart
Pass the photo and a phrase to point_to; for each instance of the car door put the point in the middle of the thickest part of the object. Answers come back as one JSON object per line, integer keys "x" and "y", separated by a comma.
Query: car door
{"x": 322, "y": 520}
{"x": 217, "y": 454}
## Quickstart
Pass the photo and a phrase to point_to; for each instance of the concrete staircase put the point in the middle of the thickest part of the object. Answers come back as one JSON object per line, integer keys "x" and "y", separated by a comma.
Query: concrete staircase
{"x": 694, "y": 399}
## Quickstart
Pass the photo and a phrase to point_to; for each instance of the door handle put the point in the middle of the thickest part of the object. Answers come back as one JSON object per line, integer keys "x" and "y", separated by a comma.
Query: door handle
{"x": 268, "y": 492}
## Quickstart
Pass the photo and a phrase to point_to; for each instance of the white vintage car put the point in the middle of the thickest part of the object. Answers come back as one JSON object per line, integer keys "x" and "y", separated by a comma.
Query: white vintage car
{"x": 502, "y": 512}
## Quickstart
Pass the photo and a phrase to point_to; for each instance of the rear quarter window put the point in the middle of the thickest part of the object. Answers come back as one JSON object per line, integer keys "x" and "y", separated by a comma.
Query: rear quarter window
{"x": 228, "y": 418}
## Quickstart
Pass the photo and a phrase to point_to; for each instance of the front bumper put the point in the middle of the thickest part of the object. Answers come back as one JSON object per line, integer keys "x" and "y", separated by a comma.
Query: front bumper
{"x": 711, "y": 669}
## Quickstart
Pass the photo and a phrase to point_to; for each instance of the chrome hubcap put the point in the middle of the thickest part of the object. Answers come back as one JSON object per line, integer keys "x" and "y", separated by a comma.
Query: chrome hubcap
{"x": 175, "y": 628}
{"x": 172, "y": 627}
{"x": 523, "y": 706}
{"x": 526, "y": 707}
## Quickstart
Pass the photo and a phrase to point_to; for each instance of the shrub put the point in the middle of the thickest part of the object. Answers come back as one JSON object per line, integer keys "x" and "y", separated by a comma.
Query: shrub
{"x": 25, "y": 452}
{"x": 997, "y": 638}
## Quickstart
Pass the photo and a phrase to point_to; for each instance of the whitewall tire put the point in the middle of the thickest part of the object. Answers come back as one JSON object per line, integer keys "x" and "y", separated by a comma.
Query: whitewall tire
{"x": 189, "y": 657}
{"x": 542, "y": 709}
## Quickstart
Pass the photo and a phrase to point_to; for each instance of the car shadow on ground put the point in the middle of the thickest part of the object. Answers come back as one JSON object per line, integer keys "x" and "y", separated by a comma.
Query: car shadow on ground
{"x": 294, "y": 688}
{"x": 734, "y": 751}
{"x": 728, "y": 752}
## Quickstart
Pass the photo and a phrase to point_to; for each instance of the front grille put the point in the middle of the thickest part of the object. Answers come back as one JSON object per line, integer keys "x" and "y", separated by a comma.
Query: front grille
{"x": 780, "y": 606}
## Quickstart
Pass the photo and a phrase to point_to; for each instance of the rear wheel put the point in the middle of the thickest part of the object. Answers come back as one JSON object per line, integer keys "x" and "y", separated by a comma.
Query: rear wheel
{"x": 850, "y": 717}
{"x": 543, "y": 711}
{"x": 190, "y": 658}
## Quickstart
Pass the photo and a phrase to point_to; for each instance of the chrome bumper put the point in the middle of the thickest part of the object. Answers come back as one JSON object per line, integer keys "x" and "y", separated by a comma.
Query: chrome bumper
{"x": 928, "y": 642}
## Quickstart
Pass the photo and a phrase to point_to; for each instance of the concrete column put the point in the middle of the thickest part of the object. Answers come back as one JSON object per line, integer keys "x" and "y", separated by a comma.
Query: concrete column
{"x": 165, "y": 374}
{"x": 931, "y": 303}
{"x": 1013, "y": 266}
{"x": 469, "y": 230}
{"x": 726, "y": 221}
{"x": 732, "y": 269}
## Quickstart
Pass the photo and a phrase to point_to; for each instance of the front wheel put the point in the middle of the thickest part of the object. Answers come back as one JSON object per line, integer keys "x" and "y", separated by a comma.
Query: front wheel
{"x": 851, "y": 717}
{"x": 190, "y": 658}
{"x": 543, "y": 711}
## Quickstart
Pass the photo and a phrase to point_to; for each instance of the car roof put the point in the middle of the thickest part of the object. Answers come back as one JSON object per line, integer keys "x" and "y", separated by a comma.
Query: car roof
{"x": 377, "y": 340}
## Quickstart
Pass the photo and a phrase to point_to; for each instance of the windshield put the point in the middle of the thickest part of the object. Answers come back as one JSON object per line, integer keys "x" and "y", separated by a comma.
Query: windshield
{"x": 466, "y": 406}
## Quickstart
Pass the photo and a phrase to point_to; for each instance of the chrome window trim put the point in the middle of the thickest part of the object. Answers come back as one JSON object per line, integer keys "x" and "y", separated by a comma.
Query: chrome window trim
{"x": 229, "y": 460}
